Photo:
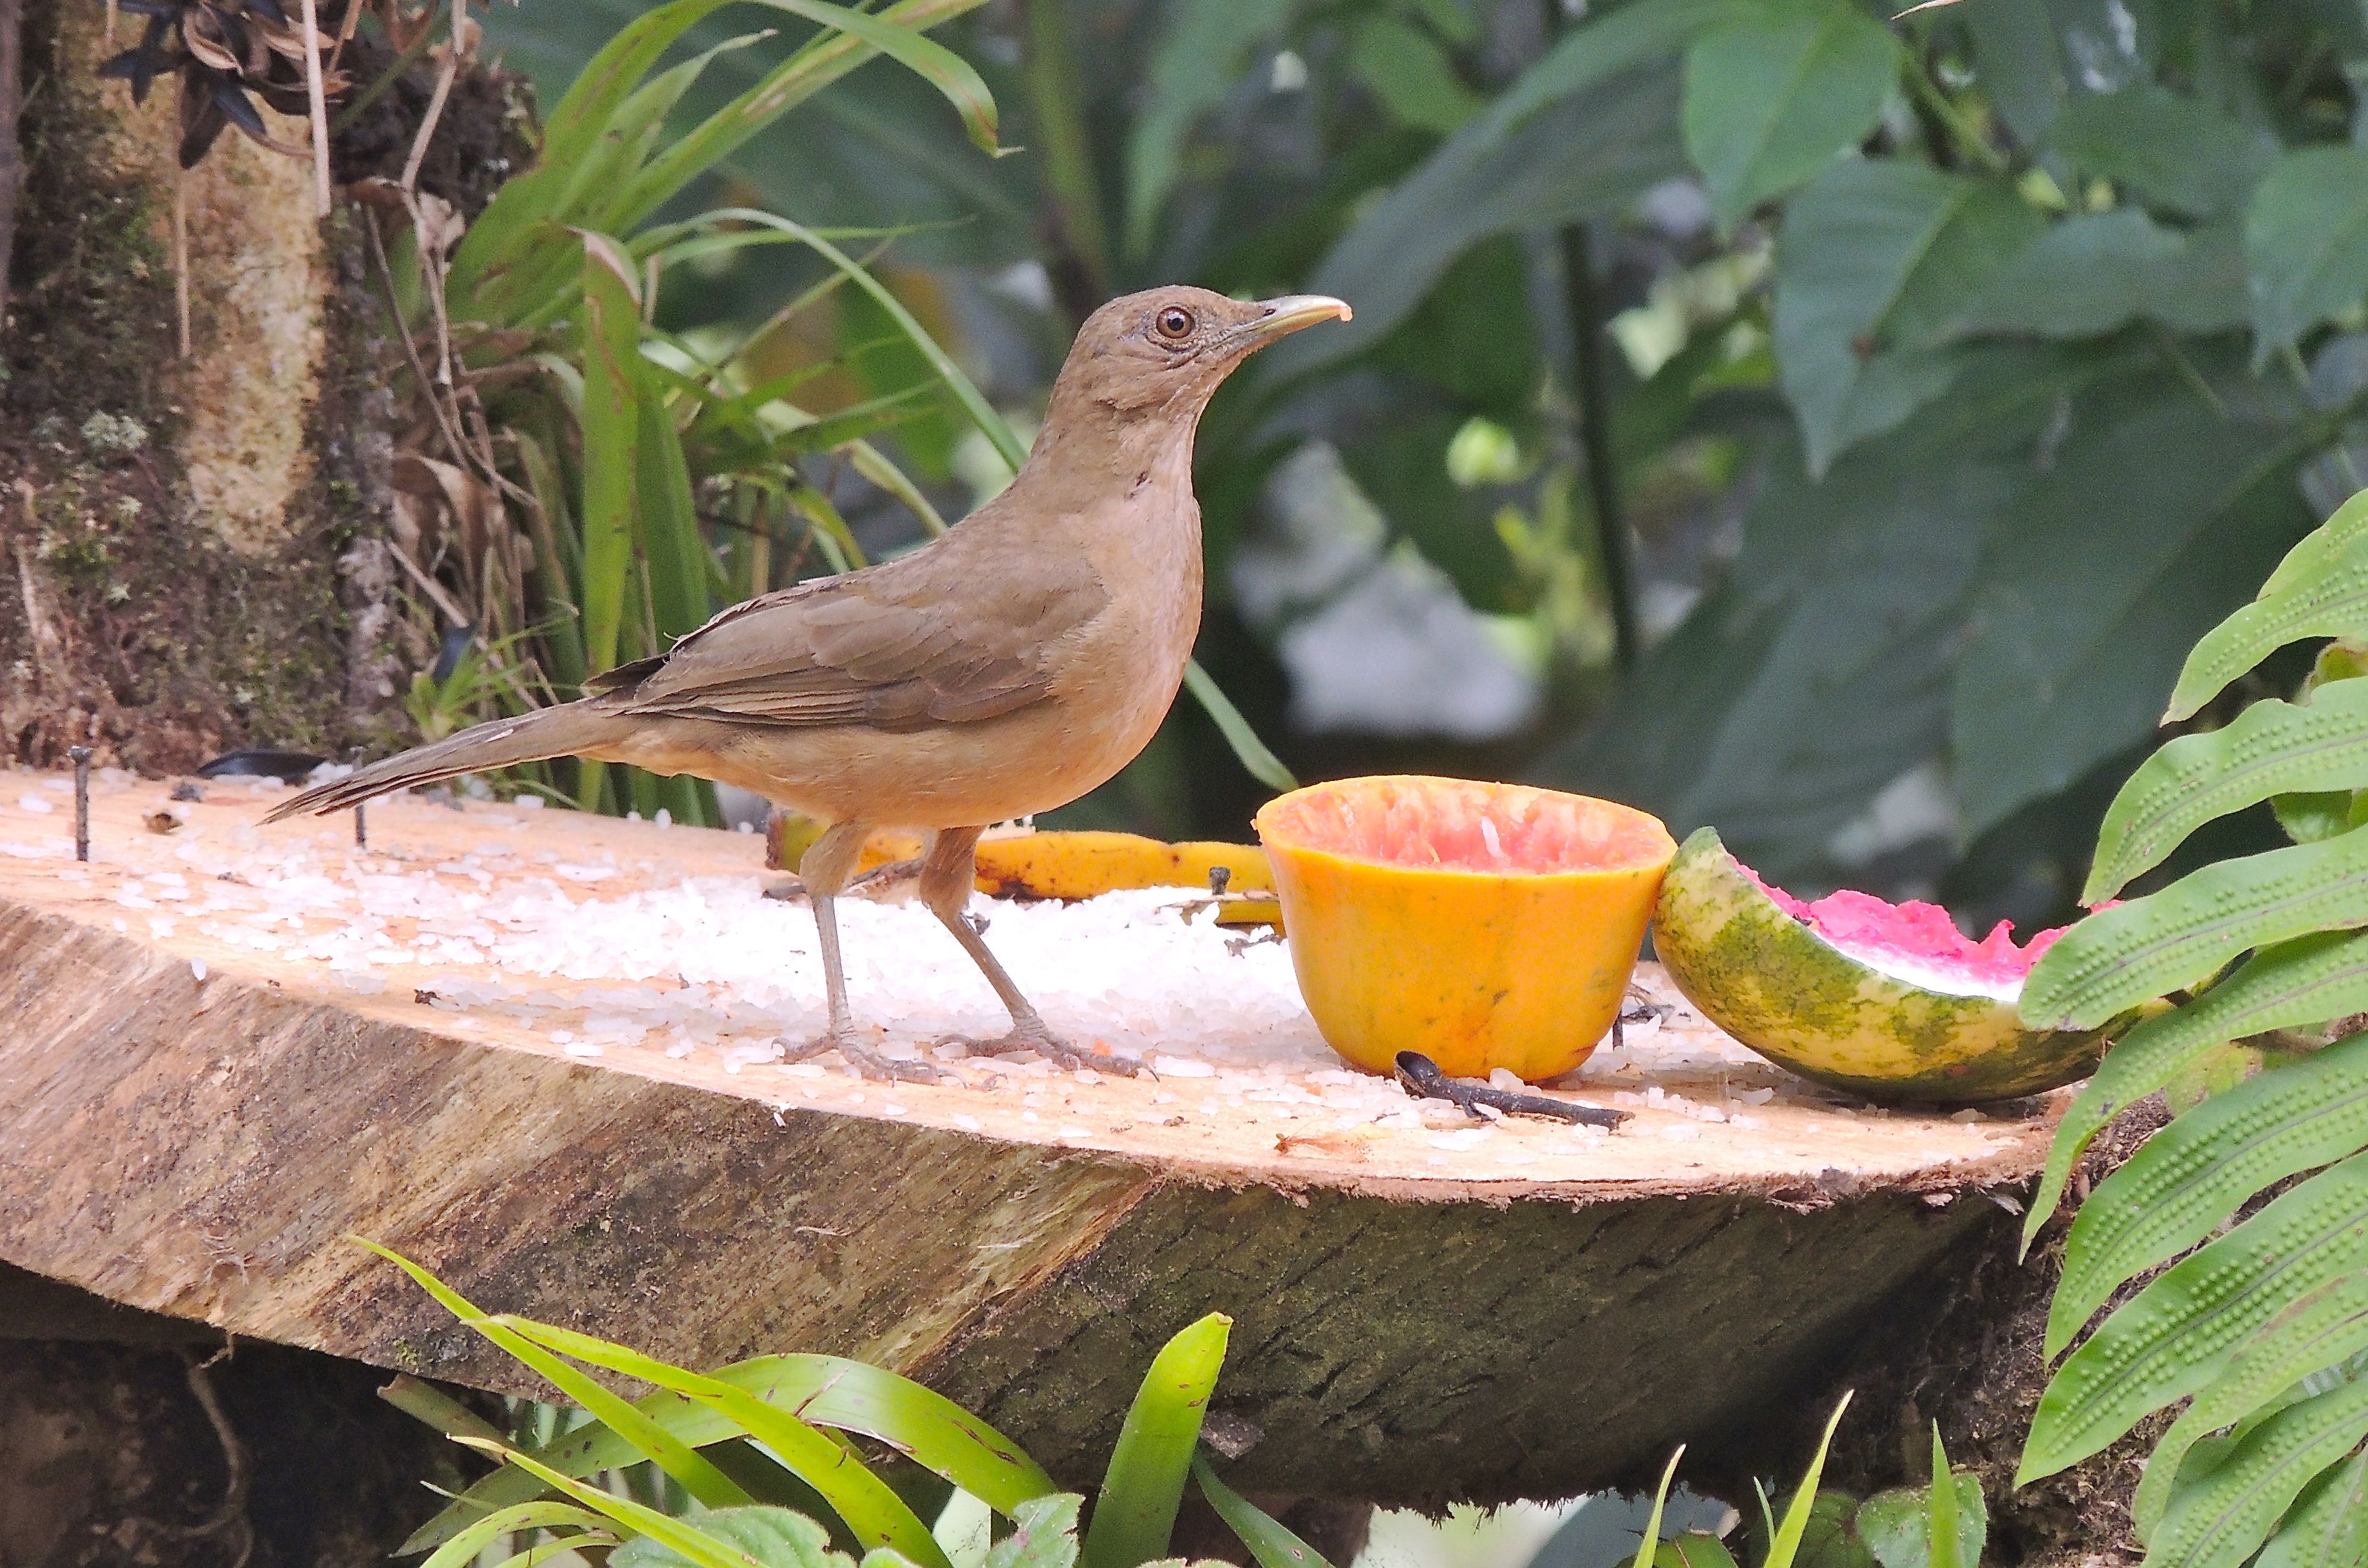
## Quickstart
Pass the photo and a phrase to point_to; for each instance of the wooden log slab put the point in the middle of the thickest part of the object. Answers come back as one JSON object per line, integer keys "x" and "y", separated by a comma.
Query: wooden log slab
{"x": 544, "y": 1053}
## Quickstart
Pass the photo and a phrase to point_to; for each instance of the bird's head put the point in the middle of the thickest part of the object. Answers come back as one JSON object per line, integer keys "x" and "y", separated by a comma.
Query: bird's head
{"x": 1162, "y": 352}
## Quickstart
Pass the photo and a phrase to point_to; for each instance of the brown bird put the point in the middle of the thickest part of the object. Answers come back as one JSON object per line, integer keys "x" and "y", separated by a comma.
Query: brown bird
{"x": 1004, "y": 668}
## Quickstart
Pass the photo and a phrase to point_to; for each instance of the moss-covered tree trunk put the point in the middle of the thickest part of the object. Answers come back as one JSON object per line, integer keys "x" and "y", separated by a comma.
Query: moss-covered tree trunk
{"x": 192, "y": 554}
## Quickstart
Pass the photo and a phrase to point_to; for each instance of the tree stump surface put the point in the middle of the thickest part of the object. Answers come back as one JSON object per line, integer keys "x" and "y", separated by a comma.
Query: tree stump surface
{"x": 199, "y": 1109}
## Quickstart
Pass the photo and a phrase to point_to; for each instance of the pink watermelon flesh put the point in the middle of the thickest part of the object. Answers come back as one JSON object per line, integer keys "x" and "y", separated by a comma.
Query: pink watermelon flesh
{"x": 1917, "y": 943}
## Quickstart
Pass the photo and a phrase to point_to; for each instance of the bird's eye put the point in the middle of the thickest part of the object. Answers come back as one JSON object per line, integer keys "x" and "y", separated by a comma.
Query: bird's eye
{"x": 1175, "y": 323}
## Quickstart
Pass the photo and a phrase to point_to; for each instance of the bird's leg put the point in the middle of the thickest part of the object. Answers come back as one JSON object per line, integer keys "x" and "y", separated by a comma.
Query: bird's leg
{"x": 948, "y": 870}
{"x": 827, "y": 863}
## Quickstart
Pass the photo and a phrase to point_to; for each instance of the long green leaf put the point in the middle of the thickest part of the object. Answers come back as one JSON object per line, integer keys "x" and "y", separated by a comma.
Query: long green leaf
{"x": 612, "y": 432}
{"x": 874, "y": 1512}
{"x": 2329, "y": 598}
{"x": 1261, "y": 764}
{"x": 2193, "y": 1175}
{"x": 2328, "y": 1527}
{"x": 2271, "y": 748}
{"x": 824, "y": 1391}
{"x": 2320, "y": 547}
{"x": 2322, "y": 1328}
{"x": 1648, "y": 1546}
{"x": 2187, "y": 932}
{"x": 2226, "y": 1516}
{"x": 2295, "y": 985}
{"x": 1269, "y": 1542}
{"x": 692, "y": 1542}
{"x": 930, "y": 60}
{"x": 1144, "y": 1484}
{"x": 650, "y": 1441}
{"x": 2179, "y": 1333}
{"x": 1942, "y": 1546}
{"x": 568, "y": 132}
{"x": 479, "y": 1534}
{"x": 1785, "y": 1544}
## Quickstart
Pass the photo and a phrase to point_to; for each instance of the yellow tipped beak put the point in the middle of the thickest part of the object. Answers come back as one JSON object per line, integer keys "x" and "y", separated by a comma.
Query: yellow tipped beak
{"x": 1291, "y": 311}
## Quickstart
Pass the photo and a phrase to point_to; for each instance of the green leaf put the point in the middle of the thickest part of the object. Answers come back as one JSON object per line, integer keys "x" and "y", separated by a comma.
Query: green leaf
{"x": 2295, "y": 984}
{"x": 1204, "y": 47}
{"x": 2193, "y": 1174}
{"x": 2094, "y": 272}
{"x": 2307, "y": 819}
{"x": 611, "y": 355}
{"x": 1877, "y": 258}
{"x": 873, "y": 1512}
{"x": 1269, "y": 1542}
{"x": 2175, "y": 152}
{"x": 1411, "y": 75}
{"x": 1648, "y": 1545}
{"x": 824, "y": 1391}
{"x": 702, "y": 1549}
{"x": 481, "y": 1532}
{"x": 932, "y": 62}
{"x": 2328, "y": 1527}
{"x": 2178, "y": 1334}
{"x": 1144, "y": 1483}
{"x": 2179, "y": 937}
{"x": 774, "y": 1537}
{"x": 1944, "y": 1546}
{"x": 2228, "y": 1514}
{"x": 2017, "y": 64}
{"x": 1829, "y": 1540}
{"x": 1900, "y": 1525}
{"x": 2156, "y": 512}
{"x": 1694, "y": 1549}
{"x": 1589, "y": 154}
{"x": 2306, "y": 243}
{"x": 1786, "y": 1543}
{"x": 2329, "y": 599}
{"x": 649, "y": 1441}
{"x": 2321, "y": 1329}
{"x": 1261, "y": 764}
{"x": 1774, "y": 94}
{"x": 2271, "y": 748}
{"x": 1643, "y": 32}
{"x": 2320, "y": 550}
{"x": 1045, "y": 1535}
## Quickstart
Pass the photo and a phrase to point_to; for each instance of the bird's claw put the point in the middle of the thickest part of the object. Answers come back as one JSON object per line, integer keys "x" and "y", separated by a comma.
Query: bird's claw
{"x": 1048, "y": 1045}
{"x": 866, "y": 1062}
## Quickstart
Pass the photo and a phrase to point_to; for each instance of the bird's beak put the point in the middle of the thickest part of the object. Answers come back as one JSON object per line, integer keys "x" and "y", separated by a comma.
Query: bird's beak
{"x": 1288, "y": 314}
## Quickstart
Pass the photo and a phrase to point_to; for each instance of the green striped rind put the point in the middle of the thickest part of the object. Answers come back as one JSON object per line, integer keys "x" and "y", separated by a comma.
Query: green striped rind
{"x": 1774, "y": 985}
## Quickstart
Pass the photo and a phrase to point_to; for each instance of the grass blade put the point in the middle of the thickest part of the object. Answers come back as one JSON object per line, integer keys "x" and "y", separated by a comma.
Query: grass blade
{"x": 692, "y": 1542}
{"x": 1648, "y": 1547}
{"x": 2328, "y": 598}
{"x": 874, "y": 1512}
{"x": 1941, "y": 1544}
{"x": 1262, "y": 764}
{"x": 823, "y": 1391}
{"x": 466, "y": 1543}
{"x": 1144, "y": 1483}
{"x": 649, "y": 1441}
{"x": 2295, "y": 985}
{"x": 2179, "y": 1333}
{"x": 930, "y": 60}
{"x": 2193, "y": 1174}
{"x": 1786, "y": 1544}
{"x": 1269, "y": 1542}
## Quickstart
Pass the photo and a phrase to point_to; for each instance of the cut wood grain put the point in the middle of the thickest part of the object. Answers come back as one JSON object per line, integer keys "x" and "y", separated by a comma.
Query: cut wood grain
{"x": 191, "y": 1127}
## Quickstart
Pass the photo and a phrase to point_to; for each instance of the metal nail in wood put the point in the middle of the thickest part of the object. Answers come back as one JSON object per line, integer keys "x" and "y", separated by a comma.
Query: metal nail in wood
{"x": 81, "y": 755}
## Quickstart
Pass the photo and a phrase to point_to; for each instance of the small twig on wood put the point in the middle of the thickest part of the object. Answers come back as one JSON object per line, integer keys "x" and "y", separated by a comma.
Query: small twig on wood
{"x": 319, "y": 103}
{"x": 1423, "y": 1080}
{"x": 444, "y": 75}
{"x": 181, "y": 255}
{"x": 12, "y": 160}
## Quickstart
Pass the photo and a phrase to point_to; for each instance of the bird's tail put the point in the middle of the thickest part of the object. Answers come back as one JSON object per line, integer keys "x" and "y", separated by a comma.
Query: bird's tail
{"x": 568, "y": 731}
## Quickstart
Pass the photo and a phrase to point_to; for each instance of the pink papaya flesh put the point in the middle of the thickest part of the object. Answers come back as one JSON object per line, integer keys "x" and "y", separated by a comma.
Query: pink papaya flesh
{"x": 1891, "y": 1002}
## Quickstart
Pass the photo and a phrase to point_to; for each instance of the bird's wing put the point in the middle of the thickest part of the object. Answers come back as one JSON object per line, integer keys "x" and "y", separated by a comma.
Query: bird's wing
{"x": 910, "y": 643}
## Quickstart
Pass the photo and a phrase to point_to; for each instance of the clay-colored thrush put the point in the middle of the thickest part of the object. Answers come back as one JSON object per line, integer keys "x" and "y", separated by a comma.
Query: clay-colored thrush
{"x": 1006, "y": 667}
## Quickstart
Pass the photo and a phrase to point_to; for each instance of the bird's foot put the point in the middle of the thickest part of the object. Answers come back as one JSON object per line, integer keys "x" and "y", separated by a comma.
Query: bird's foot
{"x": 788, "y": 889}
{"x": 1034, "y": 1037}
{"x": 866, "y": 1062}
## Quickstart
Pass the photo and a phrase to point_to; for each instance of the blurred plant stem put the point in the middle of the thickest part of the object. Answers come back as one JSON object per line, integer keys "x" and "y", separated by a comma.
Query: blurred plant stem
{"x": 1587, "y": 335}
{"x": 1050, "y": 74}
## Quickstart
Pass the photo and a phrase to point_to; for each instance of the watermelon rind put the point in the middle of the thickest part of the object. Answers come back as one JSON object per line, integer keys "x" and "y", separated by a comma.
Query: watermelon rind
{"x": 1777, "y": 986}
